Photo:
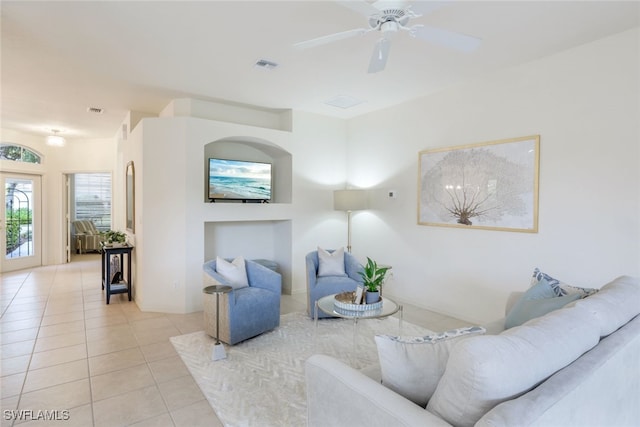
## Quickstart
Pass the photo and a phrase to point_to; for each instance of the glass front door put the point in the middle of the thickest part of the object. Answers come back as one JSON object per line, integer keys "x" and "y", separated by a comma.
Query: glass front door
{"x": 21, "y": 245}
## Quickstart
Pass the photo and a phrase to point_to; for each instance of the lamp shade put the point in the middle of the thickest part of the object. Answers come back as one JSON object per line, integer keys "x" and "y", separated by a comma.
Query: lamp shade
{"x": 350, "y": 200}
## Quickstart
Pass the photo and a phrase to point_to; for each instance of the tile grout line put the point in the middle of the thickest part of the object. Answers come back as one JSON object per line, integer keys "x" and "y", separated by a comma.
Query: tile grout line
{"x": 86, "y": 346}
{"x": 31, "y": 353}
{"x": 26, "y": 373}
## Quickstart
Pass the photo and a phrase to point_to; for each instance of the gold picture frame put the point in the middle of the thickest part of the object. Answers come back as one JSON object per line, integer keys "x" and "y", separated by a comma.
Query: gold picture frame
{"x": 490, "y": 185}
{"x": 130, "y": 183}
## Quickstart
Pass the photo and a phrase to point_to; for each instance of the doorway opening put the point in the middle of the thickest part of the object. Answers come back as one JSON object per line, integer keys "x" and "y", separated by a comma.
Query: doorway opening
{"x": 88, "y": 201}
{"x": 91, "y": 195}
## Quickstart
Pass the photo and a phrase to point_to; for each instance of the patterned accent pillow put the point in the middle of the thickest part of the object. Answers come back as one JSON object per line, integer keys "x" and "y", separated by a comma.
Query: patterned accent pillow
{"x": 412, "y": 366}
{"x": 560, "y": 288}
{"x": 439, "y": 336}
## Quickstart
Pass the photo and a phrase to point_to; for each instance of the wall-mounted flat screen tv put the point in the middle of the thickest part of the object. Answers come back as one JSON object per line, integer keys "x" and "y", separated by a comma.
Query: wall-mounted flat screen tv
{"x": 239, "y": 180}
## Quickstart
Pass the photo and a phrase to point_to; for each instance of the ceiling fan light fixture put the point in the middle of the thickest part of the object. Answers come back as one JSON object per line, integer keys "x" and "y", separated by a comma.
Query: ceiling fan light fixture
{"x": 56, "y": 140}
{"x": 389, "y": 26}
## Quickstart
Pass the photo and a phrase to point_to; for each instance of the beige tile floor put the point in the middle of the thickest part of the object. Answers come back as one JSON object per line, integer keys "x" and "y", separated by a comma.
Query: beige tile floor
{"x": 63, "y": 349}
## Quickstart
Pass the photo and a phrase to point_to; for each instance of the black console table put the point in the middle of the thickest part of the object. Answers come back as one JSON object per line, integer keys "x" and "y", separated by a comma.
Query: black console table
{"x": 124, "y": 285}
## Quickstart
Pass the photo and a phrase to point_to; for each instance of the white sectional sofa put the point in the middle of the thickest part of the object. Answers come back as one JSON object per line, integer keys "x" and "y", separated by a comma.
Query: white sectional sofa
{"x": 575, "y": 366}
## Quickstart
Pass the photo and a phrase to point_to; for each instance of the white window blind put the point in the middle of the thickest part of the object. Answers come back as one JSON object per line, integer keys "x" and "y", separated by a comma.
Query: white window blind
{"x": 92, "y": 196}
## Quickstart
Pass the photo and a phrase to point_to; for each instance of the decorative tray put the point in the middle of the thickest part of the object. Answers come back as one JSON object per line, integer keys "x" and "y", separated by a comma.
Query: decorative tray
{"x": 359, "y": 313}
{"x": 344, "y": 301}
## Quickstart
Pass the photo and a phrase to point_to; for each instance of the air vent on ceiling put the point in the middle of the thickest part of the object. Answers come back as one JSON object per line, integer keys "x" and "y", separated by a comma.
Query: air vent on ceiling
{"x": 344, "y": 101}
{"x": 265, "y": 64}
{"x": 95, "y": 110}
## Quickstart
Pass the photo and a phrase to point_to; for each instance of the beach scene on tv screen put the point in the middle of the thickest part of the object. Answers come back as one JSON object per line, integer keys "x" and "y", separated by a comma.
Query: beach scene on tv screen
{"x": 232, "y": 179}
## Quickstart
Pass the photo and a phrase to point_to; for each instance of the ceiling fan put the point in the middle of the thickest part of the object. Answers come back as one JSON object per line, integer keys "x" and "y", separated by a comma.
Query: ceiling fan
{"x": 389, "y": 17}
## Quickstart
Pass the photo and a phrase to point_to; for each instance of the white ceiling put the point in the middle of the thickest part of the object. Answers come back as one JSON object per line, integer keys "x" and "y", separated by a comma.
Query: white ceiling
{"x": 59, "y": 58}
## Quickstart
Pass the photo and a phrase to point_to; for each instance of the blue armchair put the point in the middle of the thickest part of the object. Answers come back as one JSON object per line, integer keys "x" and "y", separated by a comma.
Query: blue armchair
{"x": 318, "y": 287}
{"x": 245, "y": 312}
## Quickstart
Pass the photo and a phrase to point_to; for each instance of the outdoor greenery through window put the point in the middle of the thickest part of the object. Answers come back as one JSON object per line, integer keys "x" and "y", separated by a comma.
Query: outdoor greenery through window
{"x": 18, "y": 153}
{"x": 19, "y": 217}
{"x": 92, "y": 196}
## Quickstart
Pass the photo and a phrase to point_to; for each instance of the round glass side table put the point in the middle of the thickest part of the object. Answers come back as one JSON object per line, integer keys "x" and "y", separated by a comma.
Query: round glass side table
{"x": 218, "y": 348}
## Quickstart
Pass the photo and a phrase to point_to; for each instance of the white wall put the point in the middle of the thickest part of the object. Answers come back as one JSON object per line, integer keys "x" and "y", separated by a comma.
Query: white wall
{"x": 320, "y": 165}
{"x": 584, "y": 105}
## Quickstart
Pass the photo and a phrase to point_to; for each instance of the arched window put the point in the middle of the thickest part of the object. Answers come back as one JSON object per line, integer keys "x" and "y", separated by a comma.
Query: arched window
{"x": 18, "y": 153}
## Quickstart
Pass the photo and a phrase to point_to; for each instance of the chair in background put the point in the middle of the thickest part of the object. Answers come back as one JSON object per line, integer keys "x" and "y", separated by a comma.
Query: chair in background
{"x": 320, "y": 286}
{"x": 86, "y": 236}
{"x": 244, "y": 312}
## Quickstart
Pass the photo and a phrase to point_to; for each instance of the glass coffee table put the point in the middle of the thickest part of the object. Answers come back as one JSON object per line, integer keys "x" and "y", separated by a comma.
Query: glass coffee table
{"x": 327, "y": 306}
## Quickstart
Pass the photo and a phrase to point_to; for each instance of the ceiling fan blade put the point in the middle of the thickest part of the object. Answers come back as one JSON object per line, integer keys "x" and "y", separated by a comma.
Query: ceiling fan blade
{"x": 447, "y": 38}
{"x": 361, "y": 7}
{"x": 330, "y": 38}
{"x": 380, "y": 55}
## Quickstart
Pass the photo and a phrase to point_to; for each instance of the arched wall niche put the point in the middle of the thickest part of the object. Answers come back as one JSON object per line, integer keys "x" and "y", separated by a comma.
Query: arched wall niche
{"x": 254, "y": 149}
{"x": 252, "y": 230}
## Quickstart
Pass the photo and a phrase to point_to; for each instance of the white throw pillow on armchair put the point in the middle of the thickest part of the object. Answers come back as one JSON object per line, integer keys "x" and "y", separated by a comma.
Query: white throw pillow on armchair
{"x": 235, "y": 272}
{"x": 331, "y": 263}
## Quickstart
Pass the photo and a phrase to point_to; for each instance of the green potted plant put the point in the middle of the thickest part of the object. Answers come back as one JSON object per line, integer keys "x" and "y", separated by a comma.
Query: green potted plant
{"x": 112, "y": 237}
{"x": 373, "y": 277}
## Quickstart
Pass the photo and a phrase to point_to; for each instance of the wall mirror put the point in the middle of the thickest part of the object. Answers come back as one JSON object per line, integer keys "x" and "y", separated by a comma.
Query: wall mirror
{"x": 131, "y": 197}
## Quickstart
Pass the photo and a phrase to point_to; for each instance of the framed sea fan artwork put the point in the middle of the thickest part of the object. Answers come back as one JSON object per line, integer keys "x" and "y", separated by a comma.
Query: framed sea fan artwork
{"x": 490, "y": 185}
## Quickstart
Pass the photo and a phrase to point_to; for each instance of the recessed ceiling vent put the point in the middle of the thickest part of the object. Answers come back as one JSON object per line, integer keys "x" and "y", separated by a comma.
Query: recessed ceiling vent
{"x": 95, "y": 110}
{"x": 344, "y": 101}
{"x": 265, "y": 64}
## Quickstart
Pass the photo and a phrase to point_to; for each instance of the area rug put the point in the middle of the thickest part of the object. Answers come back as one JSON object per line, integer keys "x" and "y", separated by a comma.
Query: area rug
{"x": 261, "y": 382}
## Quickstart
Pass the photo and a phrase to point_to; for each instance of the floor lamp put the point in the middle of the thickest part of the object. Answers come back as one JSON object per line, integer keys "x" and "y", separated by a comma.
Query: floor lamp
{"x": 348, "y": 201}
